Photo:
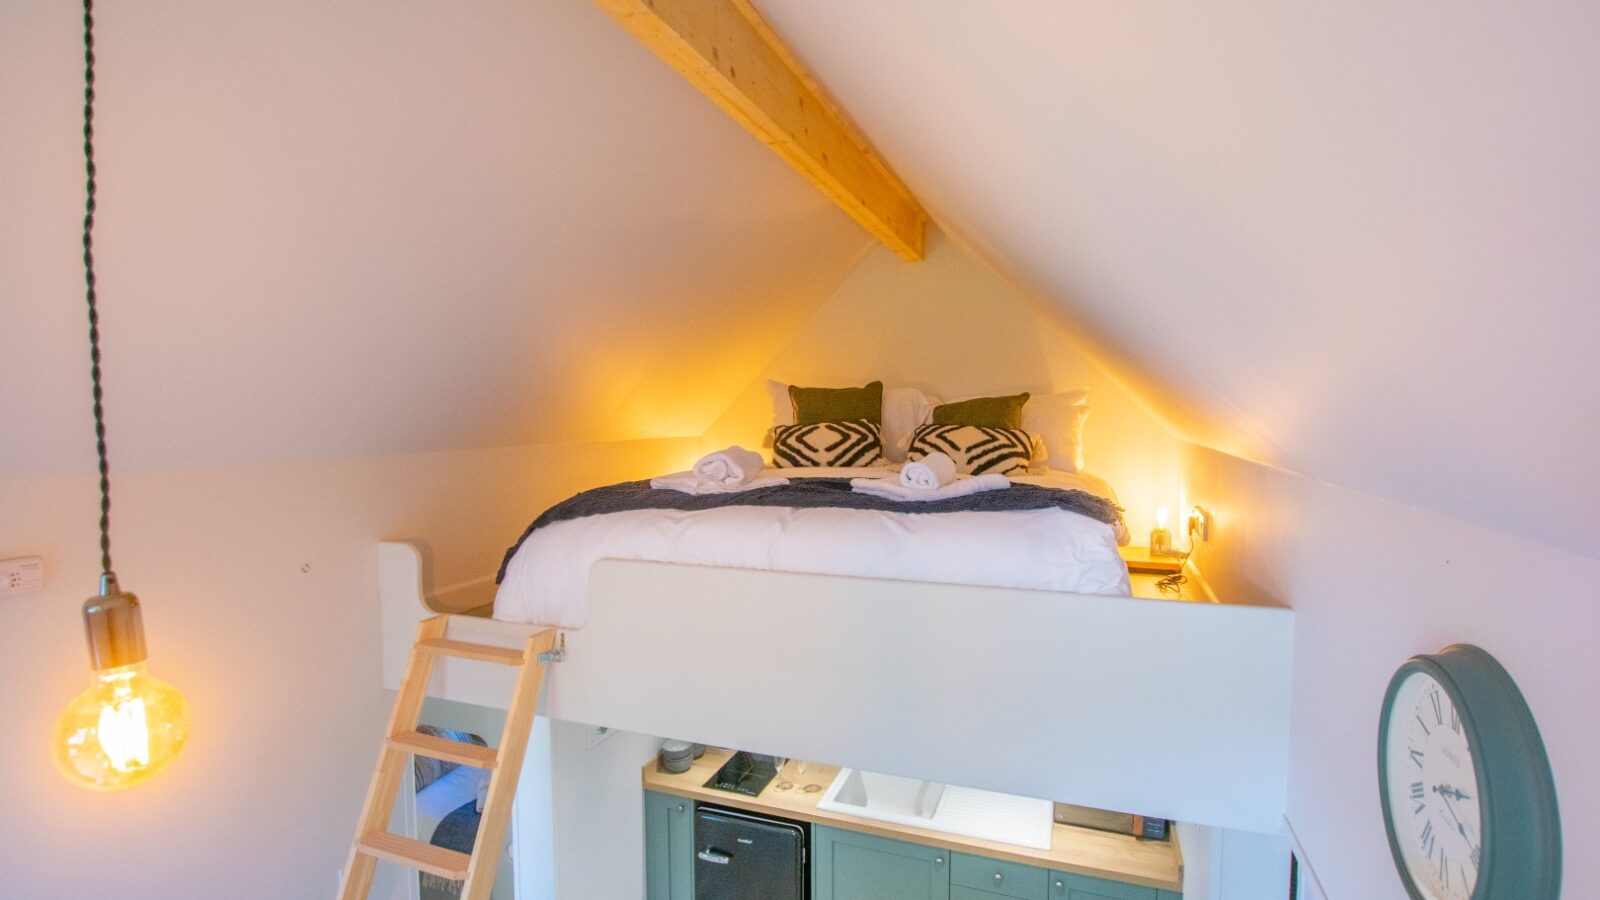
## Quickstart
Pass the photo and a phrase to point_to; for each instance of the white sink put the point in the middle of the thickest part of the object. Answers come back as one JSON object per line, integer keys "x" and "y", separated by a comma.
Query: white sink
{"x": 882, "y": 796}
{"x": 969, "y": 812}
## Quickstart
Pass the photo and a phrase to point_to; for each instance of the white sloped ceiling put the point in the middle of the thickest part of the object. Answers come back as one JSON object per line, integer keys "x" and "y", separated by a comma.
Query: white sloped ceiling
{"x": 1352, "y": 240}
{"x": 1356, "y": 240}
{"x": 341, "y": 229}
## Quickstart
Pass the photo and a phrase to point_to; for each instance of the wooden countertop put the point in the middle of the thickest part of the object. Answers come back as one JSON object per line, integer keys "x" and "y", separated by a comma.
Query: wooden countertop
{"x": 1082, "y": 851}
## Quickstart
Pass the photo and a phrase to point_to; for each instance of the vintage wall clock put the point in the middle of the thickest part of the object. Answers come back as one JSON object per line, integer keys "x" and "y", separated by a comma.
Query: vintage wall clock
{"x": 1468, "y": 797}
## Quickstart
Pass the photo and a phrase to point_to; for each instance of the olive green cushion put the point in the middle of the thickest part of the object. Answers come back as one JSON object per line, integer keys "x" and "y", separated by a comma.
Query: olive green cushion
{"x": 813, "y": 405}
{"x": 983, "y": 412}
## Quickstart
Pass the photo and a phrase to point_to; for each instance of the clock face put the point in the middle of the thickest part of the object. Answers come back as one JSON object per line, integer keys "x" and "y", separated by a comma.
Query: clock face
{"x": 1432, "y": 783}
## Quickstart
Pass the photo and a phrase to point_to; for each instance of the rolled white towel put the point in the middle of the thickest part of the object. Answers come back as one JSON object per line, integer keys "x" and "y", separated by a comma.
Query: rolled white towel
{"x": 731, "y": 466}
{"x": 929, "y": 473}
{"x": 690, "y": 483}
{"x": 892, "y": 489}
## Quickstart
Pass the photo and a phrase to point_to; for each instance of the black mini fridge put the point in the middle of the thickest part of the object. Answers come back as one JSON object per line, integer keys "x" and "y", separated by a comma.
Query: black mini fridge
{"x": 740, "y": 856}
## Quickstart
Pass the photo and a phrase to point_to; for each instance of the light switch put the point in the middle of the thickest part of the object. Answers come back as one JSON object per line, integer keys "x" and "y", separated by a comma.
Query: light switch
{"x": 23, "y": 575}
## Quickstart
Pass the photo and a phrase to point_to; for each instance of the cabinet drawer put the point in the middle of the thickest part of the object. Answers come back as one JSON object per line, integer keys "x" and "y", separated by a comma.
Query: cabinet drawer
{"x": 1008, "y": 879}
{"x": 1081, "y": 887}
{"x": 957, "y": 892}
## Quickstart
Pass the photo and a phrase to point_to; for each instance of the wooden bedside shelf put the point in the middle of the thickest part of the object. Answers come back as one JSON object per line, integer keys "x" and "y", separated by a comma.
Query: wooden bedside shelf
{"x": 1140, "y": 561}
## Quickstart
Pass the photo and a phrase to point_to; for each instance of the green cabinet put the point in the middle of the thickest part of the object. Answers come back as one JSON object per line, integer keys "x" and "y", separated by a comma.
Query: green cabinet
{"x": 1066, "y": 886}
{"x": 848, "y": 865}
{"x": 668, "y": 847}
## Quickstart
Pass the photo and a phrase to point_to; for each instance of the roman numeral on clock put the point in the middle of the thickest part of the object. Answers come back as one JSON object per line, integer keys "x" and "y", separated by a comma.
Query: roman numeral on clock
{"x": 1426, "y": 839}
{"x": 1420, "y": 796}
{"x": 1438, "y": 708}
{"x": 1416, "y": 756}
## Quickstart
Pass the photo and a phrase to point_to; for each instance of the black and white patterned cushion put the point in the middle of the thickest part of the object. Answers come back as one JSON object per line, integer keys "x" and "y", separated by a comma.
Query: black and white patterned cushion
{"x": 976, "y": 449}
{"x": 857, "y": 442}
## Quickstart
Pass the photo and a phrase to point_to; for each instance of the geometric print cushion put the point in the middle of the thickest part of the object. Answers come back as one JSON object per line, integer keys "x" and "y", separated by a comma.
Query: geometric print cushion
{"x": 857, "y": 442}
{"x": 975, "y": 449}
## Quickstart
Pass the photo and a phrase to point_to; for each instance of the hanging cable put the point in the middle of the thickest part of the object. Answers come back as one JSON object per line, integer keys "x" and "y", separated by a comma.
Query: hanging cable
{"x": 88, "y": 274}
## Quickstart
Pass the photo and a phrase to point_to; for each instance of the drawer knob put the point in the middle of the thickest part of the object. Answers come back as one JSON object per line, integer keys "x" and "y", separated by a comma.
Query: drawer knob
{"x": 999, "y": 878}
{"x": 680, "y": 807}
{"x": 1061, "y": 885}
{"x": 938, "y": 860}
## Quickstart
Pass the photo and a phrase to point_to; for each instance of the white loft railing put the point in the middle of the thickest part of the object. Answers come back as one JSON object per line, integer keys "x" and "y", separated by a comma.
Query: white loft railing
{"x": 1174, "y": 709}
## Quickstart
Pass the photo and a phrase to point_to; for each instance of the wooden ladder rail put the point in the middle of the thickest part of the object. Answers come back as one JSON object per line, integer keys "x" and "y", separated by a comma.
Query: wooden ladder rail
{"x": 373, "y": 840}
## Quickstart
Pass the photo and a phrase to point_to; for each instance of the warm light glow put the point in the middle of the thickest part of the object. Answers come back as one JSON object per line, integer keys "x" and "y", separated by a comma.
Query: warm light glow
{"x": 1161, "y": 517}
{"x": 124, "y": 734}
{"x": 121, "y": 731}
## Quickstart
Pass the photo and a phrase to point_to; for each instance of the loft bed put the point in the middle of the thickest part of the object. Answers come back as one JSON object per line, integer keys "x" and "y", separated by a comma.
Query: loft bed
{"x": 1176, "y": 708}
{"x": 1000, "y": 647}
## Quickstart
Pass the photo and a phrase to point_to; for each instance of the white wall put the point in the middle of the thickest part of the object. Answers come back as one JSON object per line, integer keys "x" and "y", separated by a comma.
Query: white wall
{"x": 1352, "y": 239}
{"x": 952, "y": 327}
{"x": 1372, "y": 583}
{"x": 599, "y": 812}
{"x": 260, "y": 592}
{"x": 1224, "y": 864}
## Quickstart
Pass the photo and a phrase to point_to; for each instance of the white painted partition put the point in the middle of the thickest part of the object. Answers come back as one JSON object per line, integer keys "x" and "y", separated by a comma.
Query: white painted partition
{"x": 1174, "y": 709}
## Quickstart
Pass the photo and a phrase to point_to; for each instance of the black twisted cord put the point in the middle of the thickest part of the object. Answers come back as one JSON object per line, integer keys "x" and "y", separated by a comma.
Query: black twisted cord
{"x": 88, "y": 274}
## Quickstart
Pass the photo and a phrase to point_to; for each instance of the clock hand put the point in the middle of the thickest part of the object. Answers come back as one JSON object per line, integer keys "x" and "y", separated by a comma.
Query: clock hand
{"x": 1450, "y": 808}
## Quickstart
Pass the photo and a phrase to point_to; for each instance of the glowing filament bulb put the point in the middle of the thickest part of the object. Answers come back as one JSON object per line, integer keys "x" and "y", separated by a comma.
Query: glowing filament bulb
{"x": 1161, "y": 517}
{"x": 124, "y": 734}
{"x": 121, "y": 731}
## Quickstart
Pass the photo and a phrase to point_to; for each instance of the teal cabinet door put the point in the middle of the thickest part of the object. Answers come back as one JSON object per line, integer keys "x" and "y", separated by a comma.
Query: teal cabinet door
{"x": 846, "y": 865}
{"x": 1066, "y": 886}
{"x": 668, "y": 847}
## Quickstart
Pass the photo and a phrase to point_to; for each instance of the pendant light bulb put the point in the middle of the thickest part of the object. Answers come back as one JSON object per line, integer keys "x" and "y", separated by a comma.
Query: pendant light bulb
{"x": 128, "y": 725}
{"x": 121, "y": 731}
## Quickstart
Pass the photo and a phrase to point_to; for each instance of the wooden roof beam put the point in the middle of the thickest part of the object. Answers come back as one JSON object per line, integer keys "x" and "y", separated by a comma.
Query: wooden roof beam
{"x": 725, "y": 48}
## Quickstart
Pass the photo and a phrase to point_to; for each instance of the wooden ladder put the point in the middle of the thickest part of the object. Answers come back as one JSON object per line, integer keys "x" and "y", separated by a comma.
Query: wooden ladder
{"x": 373, "y": 839}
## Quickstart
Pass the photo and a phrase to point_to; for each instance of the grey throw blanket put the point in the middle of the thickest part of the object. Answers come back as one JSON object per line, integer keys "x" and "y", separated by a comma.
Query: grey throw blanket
{"x": 811, "y": 493}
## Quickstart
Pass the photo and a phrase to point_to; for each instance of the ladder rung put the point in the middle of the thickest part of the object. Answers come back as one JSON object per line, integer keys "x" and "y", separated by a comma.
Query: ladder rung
{"x": 422, "y": 857}
{"x": 480, "y": 652}
{"x": 443, "y": 748}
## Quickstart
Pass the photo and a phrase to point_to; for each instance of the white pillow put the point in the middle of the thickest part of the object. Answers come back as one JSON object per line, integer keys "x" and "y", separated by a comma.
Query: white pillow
{"x": 782, "y": 405}
{"x": 1058, "y": 421}
{"x": 903, "y": 410}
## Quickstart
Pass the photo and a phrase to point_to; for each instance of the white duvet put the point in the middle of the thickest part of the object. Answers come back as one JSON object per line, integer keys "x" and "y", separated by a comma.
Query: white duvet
{"x": 547, "y": 582}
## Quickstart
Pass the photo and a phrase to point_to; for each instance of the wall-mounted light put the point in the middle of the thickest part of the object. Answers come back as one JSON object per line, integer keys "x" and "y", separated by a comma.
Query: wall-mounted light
{"x": 128, "y": 725}
{"x": 1199, "y": 524}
